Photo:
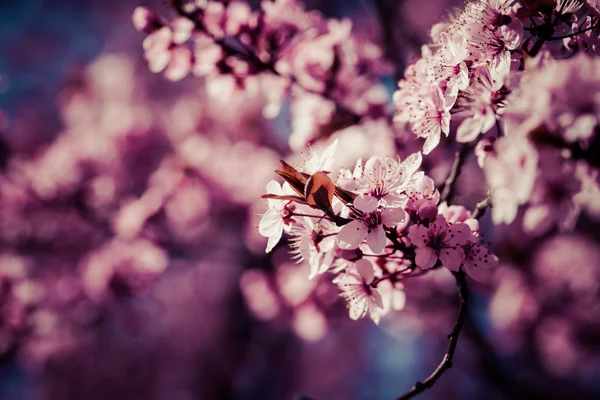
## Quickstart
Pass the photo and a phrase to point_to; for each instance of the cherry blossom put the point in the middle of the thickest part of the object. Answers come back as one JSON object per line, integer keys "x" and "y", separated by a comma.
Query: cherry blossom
{"x": 277, "y": 218}
{"x": 361, "y": 297}
{"x": 439, "y": 242}
{"x": 370, "y": 227}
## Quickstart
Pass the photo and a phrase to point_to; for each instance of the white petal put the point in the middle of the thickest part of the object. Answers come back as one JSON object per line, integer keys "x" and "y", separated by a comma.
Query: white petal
{"x": 469, "y": 129}
{"x": 270, "y": 223}
{"x": 431, "y": 143}
{"x": 352, "y": 234}
{"x": 366, "y": 203}
{"x": 273, "y": 187}
{"x": 327, "y": 157}
{"x": 272, "y": 242}
{"x": 358, "y": 308}
{"x": 398, "y": 299}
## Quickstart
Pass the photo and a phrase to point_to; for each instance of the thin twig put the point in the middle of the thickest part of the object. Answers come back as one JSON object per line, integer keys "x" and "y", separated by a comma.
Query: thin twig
{"x": 463, "y": 294}
{"x": 575, "y": 33}
{"x": 450, "y": 184}
{"x": 481, "y": 208}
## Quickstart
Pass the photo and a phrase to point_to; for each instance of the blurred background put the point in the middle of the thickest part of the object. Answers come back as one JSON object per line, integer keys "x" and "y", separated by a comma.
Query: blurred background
{"x": 131, "y": 266}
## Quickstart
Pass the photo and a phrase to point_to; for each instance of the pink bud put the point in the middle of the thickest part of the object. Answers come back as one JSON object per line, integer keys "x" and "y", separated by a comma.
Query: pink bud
{"x": 428, "y": 211}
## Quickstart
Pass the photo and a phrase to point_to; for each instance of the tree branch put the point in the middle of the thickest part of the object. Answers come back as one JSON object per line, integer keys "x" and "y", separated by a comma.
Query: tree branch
{"x": 481, "y": 208}
{"x": 449, "y": 186}
{"x": 575, "y": 33}
{"x": 463, "y": 294}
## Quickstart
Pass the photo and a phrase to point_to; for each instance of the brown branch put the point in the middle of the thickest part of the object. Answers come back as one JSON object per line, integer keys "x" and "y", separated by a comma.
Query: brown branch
{"x": 575, "y": 33}
{"x": 481, "y": 208}
{"x": 446, "y": 364}
{"x": 449, "y": 186}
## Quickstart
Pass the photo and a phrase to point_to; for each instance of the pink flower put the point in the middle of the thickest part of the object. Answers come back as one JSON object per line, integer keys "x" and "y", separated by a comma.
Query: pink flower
{"x": 432, "y": 117}
{"x": 457, "y": 213}
{"x": 423, "y": 191}
{"x": 370, "y": 226}
{"x": 361, "y": 297}
{"x": 439, "y": 241}
{"x": 161, "y": 53}
{"x": 380, "y": 181}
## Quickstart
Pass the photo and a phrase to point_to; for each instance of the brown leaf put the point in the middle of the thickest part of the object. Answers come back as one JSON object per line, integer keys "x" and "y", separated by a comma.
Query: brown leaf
{"x": 295, "y": 178}
{"x": 344, "y": 195}
{"x": 319, "y": 191}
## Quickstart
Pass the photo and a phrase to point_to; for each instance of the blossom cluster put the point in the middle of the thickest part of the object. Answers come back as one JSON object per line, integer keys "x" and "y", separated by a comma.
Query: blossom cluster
{"x": 373, "y": 227}
{"x": 467, "y": 72}
{"x": 280, "y": 51}
{"x": 494, "y": 65}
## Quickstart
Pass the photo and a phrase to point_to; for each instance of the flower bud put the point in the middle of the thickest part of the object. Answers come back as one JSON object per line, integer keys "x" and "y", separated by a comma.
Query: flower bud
{"x": 428, "y": 211}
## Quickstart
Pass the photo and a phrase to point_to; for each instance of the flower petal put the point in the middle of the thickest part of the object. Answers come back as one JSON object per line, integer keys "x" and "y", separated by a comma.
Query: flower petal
{"x": 366, "y": 203}
{"x": 352, "y": 234}
{"x": 365, "y": 270}
{"x": 426, "y": 257}
{"x": 418, "y": 235}
{"x": 452, "y": 258}
{"x": 376, "y": 240}
{"x": 271, "y": 223}
{"x": 469, "y": 129}
{"x": 391, "y": 217}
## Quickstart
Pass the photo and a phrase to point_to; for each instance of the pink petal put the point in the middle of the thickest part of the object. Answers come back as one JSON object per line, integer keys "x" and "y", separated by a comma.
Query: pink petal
{"x": 478, "y": 274}
{"x": 365, "y": 270}
{"x": 418, "y": 235}
{"x": 452, "y": 258}
{"x": 459, "y": 234}
{"x": 426, "y": 257}
{"x": 391, "y": 217}
{"x": 352, "y": 235}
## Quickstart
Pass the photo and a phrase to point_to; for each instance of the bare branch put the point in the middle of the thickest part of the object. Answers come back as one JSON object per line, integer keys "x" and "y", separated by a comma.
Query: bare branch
{"x": 481, "y": 208}
{"x": 463, "y": 294}
{"x": 450, "y": 184}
